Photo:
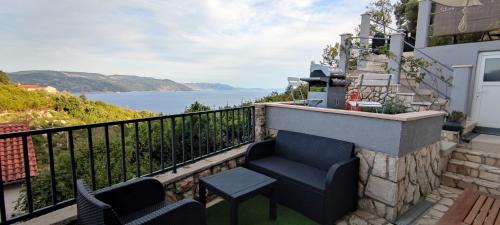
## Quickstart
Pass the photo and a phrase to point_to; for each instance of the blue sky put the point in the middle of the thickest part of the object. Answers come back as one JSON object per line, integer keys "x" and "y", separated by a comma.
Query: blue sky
{"x": 245, "y": 43}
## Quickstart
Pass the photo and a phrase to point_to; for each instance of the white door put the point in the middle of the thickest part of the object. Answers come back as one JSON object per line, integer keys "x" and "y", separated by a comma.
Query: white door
{"x": 486, "y": 104}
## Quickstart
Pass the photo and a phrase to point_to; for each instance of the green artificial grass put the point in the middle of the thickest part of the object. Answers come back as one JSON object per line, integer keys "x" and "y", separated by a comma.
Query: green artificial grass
{"x": 255, "y": 211}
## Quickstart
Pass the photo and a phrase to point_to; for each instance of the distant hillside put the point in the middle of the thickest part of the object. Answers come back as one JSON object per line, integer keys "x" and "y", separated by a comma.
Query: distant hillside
{"x": 95, "y": 82}
{"x": 209, "y": 86}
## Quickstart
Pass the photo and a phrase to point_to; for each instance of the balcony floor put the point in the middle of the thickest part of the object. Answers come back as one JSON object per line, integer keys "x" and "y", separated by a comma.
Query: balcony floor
{"x": 255, "y": 212}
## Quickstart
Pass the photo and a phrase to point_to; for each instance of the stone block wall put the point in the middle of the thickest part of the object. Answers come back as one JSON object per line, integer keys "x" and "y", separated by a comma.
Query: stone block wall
{"x": 261, "y": 130}
{"x": 187, "y": 186}
{"x": 389, "y": 186}
{"x": 260, "y": 122}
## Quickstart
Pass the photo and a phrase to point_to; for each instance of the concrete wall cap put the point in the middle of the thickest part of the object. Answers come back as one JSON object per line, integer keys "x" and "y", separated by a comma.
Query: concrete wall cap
{"x": 411, "y": 116}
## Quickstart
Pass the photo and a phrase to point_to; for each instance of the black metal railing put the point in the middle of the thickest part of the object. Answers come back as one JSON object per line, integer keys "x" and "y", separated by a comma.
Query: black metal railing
{"x": 104, "y": 154}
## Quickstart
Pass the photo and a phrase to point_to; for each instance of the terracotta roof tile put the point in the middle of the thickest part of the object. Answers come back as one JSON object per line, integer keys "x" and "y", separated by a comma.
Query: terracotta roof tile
{"x": 11, "y": 154}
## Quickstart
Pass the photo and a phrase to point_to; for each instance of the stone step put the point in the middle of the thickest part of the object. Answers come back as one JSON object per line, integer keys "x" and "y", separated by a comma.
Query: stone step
{"x": 486, "y": 158}
{"x": 455, "y": 180}
{"x": 471, "y": 169}
{"x": 447, "y": 147}
{"x": 425, "y": 92}
{"x": 407, "y": 98}
{"x": 486, "y": 143}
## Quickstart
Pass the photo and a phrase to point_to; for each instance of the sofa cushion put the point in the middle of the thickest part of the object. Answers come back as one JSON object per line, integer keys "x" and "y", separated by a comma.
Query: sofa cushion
{"x": 315, "y": 151}
{"x": 282, "y": 168}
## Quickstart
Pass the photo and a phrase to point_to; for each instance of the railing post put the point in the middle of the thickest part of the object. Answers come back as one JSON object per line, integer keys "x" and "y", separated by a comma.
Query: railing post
{"x": 364, "y": 31}
{"x": 423, "y": 22}
{"x": 460, "y": 97}
{"x": 396, "y": 50}
{"x": 345, "y": 51}
{"x": 364, "y": 36}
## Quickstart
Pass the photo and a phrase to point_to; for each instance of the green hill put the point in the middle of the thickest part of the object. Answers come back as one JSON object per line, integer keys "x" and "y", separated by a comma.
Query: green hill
{"x": 209, "y": 86}
{"x": 44, "y": 109}
{"x": 94, "y": 82}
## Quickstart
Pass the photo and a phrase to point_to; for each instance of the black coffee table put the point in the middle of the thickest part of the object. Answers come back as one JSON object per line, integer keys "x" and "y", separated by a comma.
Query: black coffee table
{"x": 236, "y": 185}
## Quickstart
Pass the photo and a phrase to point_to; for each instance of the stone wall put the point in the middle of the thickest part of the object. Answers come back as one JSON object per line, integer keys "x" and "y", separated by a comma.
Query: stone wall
{"x": 260, "y": 122}
{"x": 372, "y": 93}
{"x": 187, "y": 186}
{"x": 389, "y": 186}
{"x": 262, "y": 132}
{"x": 375, "y": 93}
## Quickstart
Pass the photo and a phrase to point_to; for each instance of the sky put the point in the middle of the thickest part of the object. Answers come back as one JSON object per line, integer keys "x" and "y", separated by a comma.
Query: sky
{"x": 244, "y": 43}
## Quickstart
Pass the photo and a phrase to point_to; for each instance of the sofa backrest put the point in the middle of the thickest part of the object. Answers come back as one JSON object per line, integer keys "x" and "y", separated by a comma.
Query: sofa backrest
{"x": 315, "y": 151}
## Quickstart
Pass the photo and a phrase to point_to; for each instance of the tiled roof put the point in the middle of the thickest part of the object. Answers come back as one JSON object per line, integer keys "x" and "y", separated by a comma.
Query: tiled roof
{"x": 11, "y": 154}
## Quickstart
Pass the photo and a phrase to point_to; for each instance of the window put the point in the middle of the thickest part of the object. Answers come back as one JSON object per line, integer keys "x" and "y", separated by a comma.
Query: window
{"x": 492, "y": 70}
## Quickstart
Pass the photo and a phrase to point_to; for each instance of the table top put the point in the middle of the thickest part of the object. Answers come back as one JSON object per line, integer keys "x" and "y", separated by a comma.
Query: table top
{"x": 237, "y": 182}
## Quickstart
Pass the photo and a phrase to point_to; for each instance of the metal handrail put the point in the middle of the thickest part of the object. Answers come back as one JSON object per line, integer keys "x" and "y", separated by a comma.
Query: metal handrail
{"x": 371, "y": 37}
{"x": 428, "y": 56}
{"x": 445, "y": 95}
{"x": 216, "y": 131}
{"x": 416, "y": 49}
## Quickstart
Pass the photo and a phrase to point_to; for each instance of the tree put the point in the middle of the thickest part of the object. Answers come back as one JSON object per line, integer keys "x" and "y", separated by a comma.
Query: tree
{"x": 406, "y": 13}
{"x": 330, "y": 54}
{"x": 4, "y": 79}
{"x": 381, "y": 13}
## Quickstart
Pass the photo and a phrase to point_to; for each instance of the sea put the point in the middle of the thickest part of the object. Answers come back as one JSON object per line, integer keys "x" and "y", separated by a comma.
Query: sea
{"x": 176, "y": 102}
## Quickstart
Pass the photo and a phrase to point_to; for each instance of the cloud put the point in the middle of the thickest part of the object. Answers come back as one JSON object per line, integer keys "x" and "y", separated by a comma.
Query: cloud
{"x": 250, "y": 43}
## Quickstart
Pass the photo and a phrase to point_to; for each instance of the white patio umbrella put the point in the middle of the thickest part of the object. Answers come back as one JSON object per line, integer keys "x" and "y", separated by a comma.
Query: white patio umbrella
{"x": 460, "y": 3}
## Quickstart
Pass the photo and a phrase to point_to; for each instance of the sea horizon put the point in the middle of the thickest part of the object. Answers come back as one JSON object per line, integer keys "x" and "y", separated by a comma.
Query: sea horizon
{"x": 174, "y": 102}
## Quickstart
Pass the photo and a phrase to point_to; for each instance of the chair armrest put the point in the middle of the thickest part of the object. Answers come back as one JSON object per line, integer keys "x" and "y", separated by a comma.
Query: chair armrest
{"x": 184, "y": 212}
{"x": 133, "y": 195}
{"x": 260, "y": 150}
{"x": 341, "y": 192}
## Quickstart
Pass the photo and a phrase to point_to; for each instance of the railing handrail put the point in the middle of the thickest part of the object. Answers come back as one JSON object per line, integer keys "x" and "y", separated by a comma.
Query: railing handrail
{"x": 445, "y": 95}
{"x": 430, "y": 57}
{"x": 416, "y": 49}
{"x": 390, "y": 28}
{"x": 370, "y": 37}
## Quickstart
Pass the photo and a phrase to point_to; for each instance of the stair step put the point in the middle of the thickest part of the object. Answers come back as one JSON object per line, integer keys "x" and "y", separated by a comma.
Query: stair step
{"x": 455, "y": 180}
{"x": 467, "y": 168}
{"x": 487, "y": 158}
{"x": 447, "y": 147}
{"x": 426, "y": 103}
{"x": 425, "y": 92}
{"x": 487, "y": 143}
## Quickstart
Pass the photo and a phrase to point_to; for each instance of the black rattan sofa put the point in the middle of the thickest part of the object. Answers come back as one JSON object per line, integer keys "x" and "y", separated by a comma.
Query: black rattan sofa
{"x": 140, "y": 201}
{"x": 316, "y": 176}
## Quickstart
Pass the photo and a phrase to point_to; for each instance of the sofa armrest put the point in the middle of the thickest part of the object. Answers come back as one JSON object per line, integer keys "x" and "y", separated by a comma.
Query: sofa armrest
{"x": 260, "y": 150}
{"x": 183, "y": 212}
{"x": 133, "y": 195}
{"x": 341, "y": 192}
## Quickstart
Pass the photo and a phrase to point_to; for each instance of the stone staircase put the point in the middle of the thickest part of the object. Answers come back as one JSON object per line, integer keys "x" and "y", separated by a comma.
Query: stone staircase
{"x": 474, "y": 168}
{"x": 409, "y": 91}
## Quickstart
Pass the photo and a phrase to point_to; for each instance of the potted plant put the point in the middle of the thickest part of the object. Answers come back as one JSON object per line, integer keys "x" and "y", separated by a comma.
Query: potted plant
{"x": 455, "y": 121}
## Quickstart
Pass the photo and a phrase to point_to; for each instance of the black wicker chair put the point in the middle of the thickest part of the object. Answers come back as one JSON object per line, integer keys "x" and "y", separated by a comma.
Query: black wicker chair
{"x": 140, "y": 201}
